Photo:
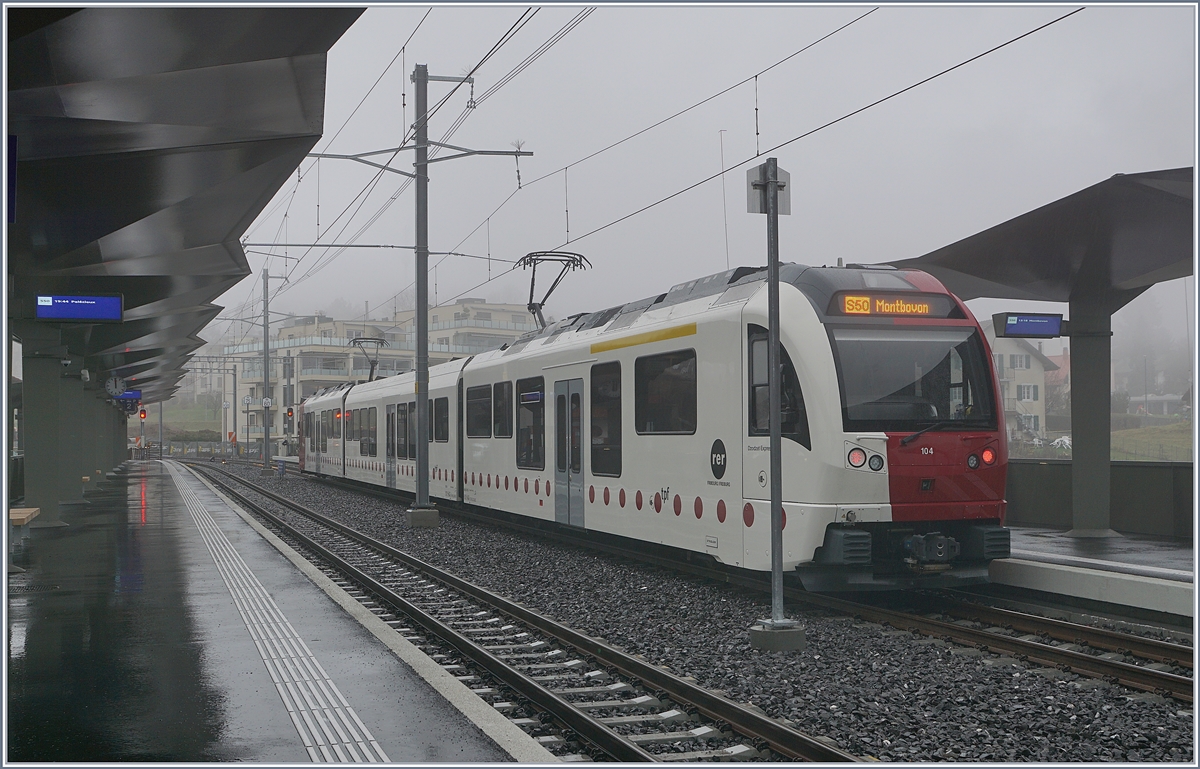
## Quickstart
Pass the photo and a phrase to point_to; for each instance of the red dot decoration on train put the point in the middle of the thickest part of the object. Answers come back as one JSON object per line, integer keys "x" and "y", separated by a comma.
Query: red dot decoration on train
{"x": 657, "y": 502}
{"x": 606, "y": 495}
{"x": 678, "y": 505}
{"x": 638, "y": 500}
{"x": 699, "y": 508}
{"x": 748, "y": 515}
{"x": 591, "y": 493}
{"x": 721, "y": 511}
{"x": 621, "y": 498}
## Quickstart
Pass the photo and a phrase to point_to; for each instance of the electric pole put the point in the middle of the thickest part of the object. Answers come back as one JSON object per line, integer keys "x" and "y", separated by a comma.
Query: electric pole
{"x": 421, "y": 513}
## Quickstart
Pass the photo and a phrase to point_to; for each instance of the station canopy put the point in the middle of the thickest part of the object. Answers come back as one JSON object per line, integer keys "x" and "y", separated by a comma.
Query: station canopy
{"x": 1103, "y": 245}
{"x": 148, "y": 140}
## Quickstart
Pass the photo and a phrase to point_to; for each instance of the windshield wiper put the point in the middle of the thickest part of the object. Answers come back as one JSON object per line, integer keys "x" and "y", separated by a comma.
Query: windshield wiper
{"x": 919, "y": 433}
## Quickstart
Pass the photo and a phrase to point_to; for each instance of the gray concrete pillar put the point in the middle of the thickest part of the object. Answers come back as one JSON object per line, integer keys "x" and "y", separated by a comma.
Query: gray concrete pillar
{"x": 95, "y": 438}
{"x": 1091, "y": 439}
{"x": 48, "y": 475}
{"x": 73, "y": 428}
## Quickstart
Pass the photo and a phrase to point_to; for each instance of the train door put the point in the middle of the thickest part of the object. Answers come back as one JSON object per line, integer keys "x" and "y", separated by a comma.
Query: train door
{"x": 568, "y": 452}
{"x": 459, "y": 437}
{"x": 390, "y": 440}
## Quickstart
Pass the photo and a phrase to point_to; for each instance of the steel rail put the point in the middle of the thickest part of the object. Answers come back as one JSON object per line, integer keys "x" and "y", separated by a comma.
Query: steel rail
{"x": 588, "y": 728}
{"x": 1112, "y": 671}
{"x": 1100, "y": 638}
{"x": 781, "y": 738}
{"x": 1133, "y": 676}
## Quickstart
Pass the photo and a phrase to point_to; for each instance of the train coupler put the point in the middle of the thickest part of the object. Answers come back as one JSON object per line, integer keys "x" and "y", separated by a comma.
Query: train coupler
{"x": 933, "y": 548}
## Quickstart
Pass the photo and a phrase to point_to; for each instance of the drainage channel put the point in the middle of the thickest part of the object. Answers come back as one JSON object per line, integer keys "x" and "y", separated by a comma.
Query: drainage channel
{"x": 606, "y": 704}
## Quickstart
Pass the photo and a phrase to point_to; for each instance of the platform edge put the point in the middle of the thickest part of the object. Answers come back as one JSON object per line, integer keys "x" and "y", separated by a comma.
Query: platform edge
{"x": 1161, "y": 595}
{"x": 507, "y": 736}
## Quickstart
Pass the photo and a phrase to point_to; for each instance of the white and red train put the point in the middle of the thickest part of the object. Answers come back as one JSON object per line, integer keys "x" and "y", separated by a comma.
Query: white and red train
{"x": 649, "y": 421}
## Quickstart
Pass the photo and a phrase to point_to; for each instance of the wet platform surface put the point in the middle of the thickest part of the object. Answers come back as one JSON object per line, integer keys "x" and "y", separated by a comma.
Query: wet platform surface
{"x": 1158, "y": 557}
{"x": 147, "y": 631}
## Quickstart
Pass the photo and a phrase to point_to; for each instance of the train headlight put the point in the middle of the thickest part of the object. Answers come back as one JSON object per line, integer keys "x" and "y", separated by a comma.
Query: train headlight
{"x": 973, "y": 462}
{"x": 876, "y": 462}
{"x": 989, "y": 456}
{"x": 857, "y": 457}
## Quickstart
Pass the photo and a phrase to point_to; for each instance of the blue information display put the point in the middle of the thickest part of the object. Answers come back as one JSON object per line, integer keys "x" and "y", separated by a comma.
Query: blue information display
{"x": 1028, "y": 325}
{"x": 89, "y": 309}
{"x": 130, "y": 395}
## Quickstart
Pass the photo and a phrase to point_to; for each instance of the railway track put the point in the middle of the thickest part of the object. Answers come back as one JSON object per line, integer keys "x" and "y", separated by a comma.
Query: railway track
{"x": 1115, "y": 662}
{"x": 621, "y": 706}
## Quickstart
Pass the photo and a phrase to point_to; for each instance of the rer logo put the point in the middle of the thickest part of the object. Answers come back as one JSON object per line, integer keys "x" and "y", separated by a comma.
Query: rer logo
{"x": 717, "y": 459}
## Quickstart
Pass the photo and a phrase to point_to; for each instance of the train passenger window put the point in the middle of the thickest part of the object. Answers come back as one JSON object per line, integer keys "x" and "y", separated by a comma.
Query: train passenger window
{"x": 391, "y": 433}
{"x": 479, "y": 412}
{"x": 531, "y": 423}
{"x": 502, "y": 409}
{"x": 429, "y": 418}
{"x": 402, "y": 431}
{"x": 664, "y": 393}
{"x": 576, "y": 433}
{"x": 793, "y": 417}
{"x": 606, "y": 419}
{"x": 352, "y": 427}
{"x": 412, "y": 430}
{"x": 372, "y": 430}
{"x": 326, "y": 429}
{"x": 338, "y": 417}
{"x": 441, "y": 420}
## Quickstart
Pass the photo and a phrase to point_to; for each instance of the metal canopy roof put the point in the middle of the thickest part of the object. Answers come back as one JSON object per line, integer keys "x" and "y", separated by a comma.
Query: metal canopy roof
{"x": 1104, "y": 245}
{"x": 148, "y": 141}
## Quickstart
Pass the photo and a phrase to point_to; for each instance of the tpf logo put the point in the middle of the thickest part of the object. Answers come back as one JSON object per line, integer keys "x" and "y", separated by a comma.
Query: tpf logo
{"x": 717, "y": 459}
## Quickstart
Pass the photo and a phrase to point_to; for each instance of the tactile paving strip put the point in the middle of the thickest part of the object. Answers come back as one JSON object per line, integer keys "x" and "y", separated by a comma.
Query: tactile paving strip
{"x": 329, "y": 727}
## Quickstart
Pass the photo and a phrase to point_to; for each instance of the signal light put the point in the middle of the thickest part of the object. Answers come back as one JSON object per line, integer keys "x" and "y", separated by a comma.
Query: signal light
{"x": 338, "y": 414}
{"x": 289, "y": 413}
{"x": 142, "y": 413}
{"x": 989, "y": 456}
{"x": 876, "y": 462}
{"x": 857, "y": 457}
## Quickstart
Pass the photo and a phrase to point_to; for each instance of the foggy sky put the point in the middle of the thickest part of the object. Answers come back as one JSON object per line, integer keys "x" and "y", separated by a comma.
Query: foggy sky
{"x": 1109, "y": 90}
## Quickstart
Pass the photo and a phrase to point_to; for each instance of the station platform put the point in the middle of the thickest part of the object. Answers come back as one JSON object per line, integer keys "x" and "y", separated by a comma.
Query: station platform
{"x": 1154, "y": 574}
{"x": 162, "y": 625}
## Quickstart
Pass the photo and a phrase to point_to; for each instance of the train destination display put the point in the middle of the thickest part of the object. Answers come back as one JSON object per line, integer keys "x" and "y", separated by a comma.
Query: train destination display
{"x": 104, "y": 308}
{"x": 1030, "y": 325}
{"x": 917, "y": 305}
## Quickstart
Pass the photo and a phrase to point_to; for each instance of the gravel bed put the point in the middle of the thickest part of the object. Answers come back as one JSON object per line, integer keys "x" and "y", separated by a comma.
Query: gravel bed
{"x": 877, "y": 692}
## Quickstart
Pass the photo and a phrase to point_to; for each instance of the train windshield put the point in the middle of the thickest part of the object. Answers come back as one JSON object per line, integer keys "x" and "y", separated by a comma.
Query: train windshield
{"x": 911, "y": 377}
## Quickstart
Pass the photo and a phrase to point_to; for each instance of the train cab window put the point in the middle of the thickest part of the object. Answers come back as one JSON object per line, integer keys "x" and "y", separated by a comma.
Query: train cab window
{"x": 372, "y": 431}
{"x": 412, "y": 430}
{"x": 531, "y": 423}
{"x": 441, "y": 420}
{"x": 606, "y": 419}
{"x": 793, "y": 417}
{"x": 664, "y": 393}
{"x": 502, "y": 410}
{"x": 479, "y": 412}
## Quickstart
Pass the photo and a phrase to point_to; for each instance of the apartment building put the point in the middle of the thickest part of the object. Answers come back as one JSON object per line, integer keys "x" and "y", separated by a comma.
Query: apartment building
{"x": 314, "y": 351}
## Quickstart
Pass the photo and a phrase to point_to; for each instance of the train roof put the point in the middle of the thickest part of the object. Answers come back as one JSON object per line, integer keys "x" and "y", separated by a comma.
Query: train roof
{"x": 817, "y": 283}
